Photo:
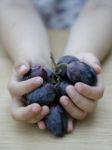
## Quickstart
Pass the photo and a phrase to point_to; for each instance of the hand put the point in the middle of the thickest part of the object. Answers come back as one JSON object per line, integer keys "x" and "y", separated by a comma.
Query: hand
{"x": 83, "y": 98}
{"x": 31, "y": 113}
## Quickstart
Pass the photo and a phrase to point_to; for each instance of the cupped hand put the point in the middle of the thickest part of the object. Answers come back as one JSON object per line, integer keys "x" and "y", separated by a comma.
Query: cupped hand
{"x": 83, "y": 98}
{"x": 32, "y": 113}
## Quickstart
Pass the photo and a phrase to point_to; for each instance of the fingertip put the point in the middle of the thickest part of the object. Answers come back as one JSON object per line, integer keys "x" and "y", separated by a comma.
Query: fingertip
{"x": 64, "y": 100}
{"x": 41, "y": 125}
{"x": 70, "y": 125}
{"x": 45, "y": 109}
{"x": 22, "y": 69}
{"x": 38, "y": 80}
{"x": 97, "y": 69}
{"x": 69, "y": 88}
{"x": 35, "y": 108}
{"x": 79, "y": 86}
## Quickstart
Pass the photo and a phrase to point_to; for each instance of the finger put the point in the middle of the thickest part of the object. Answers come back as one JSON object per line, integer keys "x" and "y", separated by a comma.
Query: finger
{"x": 96, "y": 67}
{"x": 80, "y": 101}
{"x": 92, "y": 61}
{"x": 24, "y": 113}
{"x": 23, "y": 87}
{"x": 22, "y": 70}
{"x": 22, "y": 66}
{"x": 41, "y": 125}
{"x": 72, "y": 109}
{"x": 43, "y": 113}
{"x": 93, "y": 92}
{"x": 70, "y": 125}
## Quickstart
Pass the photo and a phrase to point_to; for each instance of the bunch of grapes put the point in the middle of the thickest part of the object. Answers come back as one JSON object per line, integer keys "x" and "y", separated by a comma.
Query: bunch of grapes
{"x": 67, "y": 71}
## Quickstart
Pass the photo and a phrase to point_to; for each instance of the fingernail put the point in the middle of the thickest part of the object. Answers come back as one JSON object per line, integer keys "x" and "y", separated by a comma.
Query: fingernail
{"x": 78, "y": 86}
{"x": 35, "y": 109}
{"x": 69, "y": 88}
{"x": 46, "y": 109}
{"x": 38, "y": 80}
{"x": 64, "y": 102}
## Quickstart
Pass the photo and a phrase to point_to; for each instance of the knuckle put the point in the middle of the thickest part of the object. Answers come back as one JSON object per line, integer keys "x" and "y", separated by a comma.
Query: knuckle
{"x": 77, "y": 100}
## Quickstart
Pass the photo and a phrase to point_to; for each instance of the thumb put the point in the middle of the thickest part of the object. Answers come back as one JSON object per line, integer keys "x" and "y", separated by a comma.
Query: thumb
{"x": 91, "y": 60}
{"x": 22, "y": 66}
{"x": 97, "y": 68}
{"x": 95, "y": 65}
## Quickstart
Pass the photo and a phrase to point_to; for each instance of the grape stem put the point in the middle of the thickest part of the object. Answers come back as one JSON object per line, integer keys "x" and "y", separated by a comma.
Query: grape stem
{"x": 54, "y": 66}
{"x": 53, "y": 61}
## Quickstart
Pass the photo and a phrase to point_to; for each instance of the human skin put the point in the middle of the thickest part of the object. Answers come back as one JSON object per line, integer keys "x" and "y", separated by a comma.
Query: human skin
{"x": 25, "y": 39}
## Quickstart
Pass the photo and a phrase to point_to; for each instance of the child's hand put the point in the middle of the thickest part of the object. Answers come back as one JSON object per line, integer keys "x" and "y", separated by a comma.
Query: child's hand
{"x": 83, "y": 98}
{"x": 31, "y": 113}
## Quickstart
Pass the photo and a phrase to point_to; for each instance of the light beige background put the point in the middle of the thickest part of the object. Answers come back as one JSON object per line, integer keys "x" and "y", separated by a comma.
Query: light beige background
{"x": 94, "y": 133}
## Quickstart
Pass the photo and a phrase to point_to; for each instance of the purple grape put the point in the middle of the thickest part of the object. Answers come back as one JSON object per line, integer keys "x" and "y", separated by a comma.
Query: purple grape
{"x": 34, "y": 72}
{"x": 68, "y": 71}
{"x": 81, "y": 72}
{"x": 56, "y": 121}
{"x": 67, "y": 59}
{"x": 61, "y": 87}
{"x": 43, "y": 95}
